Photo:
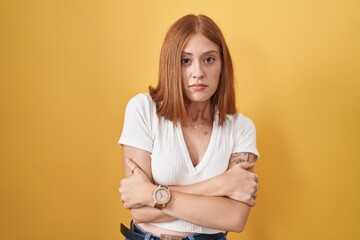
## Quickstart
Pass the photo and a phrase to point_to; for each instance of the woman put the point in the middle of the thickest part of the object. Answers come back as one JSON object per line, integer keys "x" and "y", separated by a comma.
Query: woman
{"x": 189, "y": 156}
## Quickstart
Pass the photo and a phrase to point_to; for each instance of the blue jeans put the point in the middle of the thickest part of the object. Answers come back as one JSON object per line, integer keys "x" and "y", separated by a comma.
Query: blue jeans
{"x": 150, "y": 236}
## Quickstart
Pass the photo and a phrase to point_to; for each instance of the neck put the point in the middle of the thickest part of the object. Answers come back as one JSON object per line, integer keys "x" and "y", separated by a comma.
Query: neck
{"x": 199, "y": 111}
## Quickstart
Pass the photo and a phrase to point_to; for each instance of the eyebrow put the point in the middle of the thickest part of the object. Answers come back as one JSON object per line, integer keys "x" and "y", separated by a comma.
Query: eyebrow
{"x": 208, "y": 52}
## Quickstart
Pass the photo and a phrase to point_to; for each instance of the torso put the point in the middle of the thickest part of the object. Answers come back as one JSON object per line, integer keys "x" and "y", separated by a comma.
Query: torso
{"x": 197, "y": 141}
{"x": 182, "y": 155}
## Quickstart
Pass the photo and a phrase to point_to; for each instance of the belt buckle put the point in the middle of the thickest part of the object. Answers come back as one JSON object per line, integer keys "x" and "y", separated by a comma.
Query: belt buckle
{"x": 169, "y": 237}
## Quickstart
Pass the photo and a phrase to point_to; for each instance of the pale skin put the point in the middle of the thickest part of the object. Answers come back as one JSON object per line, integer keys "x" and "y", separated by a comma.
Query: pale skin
{"x": 231, "y": 192}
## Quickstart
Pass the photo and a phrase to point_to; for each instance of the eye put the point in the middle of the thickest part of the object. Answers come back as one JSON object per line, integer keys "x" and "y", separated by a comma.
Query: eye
{"x": 185, "y": 61}
{"x": 209, "y": 60}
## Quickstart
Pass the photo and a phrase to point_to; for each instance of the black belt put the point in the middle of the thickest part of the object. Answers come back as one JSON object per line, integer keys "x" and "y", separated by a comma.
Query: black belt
{"x": 137, "y": 236}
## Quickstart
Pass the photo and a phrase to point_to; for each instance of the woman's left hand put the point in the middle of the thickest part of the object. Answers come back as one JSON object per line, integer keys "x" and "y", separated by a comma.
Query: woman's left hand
{"x": 136, "y": 190}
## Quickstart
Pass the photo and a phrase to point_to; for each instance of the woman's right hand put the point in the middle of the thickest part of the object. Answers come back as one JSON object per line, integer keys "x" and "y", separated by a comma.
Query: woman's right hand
{"x": 240, "y": 183}
{"x": 136, "y": 190}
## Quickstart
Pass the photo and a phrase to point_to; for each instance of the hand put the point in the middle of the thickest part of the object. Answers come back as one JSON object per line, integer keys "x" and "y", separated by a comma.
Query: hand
{"x": 241, "y": 184}
{"x": 136, "y": 190}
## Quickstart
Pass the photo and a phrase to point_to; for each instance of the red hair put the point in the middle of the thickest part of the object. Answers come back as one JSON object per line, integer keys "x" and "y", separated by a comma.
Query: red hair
{"x": 168, "y": 93}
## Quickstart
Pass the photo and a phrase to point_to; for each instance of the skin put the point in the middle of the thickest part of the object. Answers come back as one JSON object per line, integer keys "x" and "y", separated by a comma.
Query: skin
{"x": 231, "y": 191}
{"x": 201, "y": 68}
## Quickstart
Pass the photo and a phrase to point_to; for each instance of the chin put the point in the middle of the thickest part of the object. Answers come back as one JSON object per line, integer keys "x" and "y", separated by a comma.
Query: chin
{"x": 198, "y": 96}
{"x": 197, "y": 99}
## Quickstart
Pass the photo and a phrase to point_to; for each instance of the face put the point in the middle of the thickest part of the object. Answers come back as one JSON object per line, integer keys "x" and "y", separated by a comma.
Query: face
{"x": 200, "y": 68}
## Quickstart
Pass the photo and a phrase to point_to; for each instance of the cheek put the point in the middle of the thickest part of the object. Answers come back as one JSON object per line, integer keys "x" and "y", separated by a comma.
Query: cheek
{"x": 216, "y": 76}
{"x": 185, "y": 73}
{"x": 185, "y": 76}
{"x": 216, "y": 73}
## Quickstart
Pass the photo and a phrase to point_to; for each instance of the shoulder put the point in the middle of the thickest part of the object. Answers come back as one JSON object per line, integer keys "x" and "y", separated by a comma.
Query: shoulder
{"x": 141, "y": 108}
{"x": 244, "y": 134}
{"x": 240, "y": 122}
{"x": 241, "y": 127}
{"x": 141, "y": 102}
{"x": 141, "y": 99}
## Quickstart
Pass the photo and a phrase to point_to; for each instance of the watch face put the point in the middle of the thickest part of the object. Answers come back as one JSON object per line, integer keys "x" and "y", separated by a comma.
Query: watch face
{"x": 162, "y": 195}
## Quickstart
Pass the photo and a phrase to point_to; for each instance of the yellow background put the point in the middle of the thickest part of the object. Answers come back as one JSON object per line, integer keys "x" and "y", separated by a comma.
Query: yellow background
{"x": 67, "y": 69}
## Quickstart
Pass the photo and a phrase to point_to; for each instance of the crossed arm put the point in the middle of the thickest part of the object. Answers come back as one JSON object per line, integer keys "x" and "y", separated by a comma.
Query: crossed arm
{"x": 231, "y": 193}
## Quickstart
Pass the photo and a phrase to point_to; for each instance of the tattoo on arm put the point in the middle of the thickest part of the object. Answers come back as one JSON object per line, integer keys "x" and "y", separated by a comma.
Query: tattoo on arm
{"x": 240, "y": 157}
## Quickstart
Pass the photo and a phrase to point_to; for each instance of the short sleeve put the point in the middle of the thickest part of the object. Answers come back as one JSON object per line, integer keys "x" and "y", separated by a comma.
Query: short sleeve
{"x": 244, "y": 135}
{"x": 136, "y": 130}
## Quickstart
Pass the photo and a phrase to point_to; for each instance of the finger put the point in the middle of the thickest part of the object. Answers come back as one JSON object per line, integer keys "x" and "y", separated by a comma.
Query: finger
{"x": 251, "y": 202}
{"x": 252, "y": 177}
{"x": 133, "y": 167}
{"x": 254, "y": 190}
{"x": 247, "y": 165}
{"x": 254, "y": 196}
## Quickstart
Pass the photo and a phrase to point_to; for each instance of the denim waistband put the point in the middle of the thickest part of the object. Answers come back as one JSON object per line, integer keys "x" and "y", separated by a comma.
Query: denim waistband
{"x": 150, "y": 236}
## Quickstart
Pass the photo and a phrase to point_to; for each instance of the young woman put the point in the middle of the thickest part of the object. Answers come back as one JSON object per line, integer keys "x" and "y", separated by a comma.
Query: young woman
{"x": 188, "y": 156}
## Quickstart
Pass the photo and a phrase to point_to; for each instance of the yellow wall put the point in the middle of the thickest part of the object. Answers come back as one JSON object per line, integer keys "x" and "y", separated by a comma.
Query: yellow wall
{"x": 67, "y": 69}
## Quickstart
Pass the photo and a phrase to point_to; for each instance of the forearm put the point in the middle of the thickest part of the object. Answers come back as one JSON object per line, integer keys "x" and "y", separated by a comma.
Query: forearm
{"x": 219, "y": 185}
{"x": 216, "y": 212}
{"x": 229, "y": 215}
{"x": 223, "y": 185}
{"x": 212, "y": 187}
{"x": 234, "y": 208}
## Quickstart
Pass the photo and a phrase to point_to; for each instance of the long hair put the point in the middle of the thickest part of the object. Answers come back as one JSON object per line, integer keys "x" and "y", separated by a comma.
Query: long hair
{"x": 168, "y": 93}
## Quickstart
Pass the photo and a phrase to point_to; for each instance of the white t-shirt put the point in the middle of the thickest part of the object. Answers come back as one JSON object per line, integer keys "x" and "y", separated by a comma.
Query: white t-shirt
{"x": 170, "y": 159}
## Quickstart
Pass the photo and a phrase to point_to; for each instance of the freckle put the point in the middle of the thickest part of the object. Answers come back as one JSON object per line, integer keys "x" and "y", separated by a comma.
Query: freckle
{"x": 205, "y": 133}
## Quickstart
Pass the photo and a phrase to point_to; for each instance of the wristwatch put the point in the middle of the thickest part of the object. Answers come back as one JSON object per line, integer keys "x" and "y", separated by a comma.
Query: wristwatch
{"x": 161, "y": 197}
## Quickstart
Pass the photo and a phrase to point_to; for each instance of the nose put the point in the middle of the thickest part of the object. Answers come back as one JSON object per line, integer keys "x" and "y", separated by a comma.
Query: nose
{"x": 197, "y": 70}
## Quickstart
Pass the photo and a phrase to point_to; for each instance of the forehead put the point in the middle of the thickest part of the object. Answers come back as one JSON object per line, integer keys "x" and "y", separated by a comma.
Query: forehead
{"x": 198, "y": 44}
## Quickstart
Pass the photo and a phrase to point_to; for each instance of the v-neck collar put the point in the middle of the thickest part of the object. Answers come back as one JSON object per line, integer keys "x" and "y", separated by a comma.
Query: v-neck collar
{"x": 209, "y": 150}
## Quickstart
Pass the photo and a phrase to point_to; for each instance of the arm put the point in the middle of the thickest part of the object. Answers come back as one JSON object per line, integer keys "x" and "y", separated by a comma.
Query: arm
{"x": 232, "y": 184}
{"x": 233, "y": 222}
{"x": 142, "y": 159}
{"x": 231, "y": 215}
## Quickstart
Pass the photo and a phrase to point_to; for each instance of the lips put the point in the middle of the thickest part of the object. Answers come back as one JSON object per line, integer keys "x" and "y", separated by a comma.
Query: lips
{"x": 198, "y": 86}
